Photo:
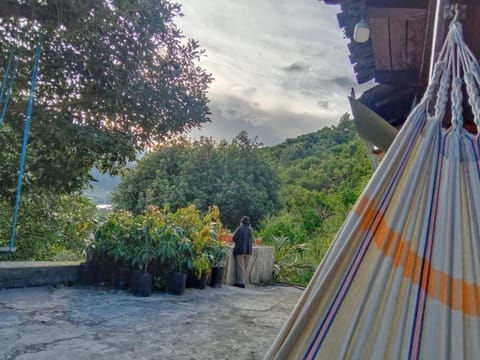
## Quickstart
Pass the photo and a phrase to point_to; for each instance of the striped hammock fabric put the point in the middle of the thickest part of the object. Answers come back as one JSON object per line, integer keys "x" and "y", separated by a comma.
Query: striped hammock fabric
{"x": 402, "y": 278}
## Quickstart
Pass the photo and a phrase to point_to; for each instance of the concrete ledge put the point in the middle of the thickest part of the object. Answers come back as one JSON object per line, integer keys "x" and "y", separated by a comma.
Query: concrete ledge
{"x": 15, "y": 274}
{"x": 19, "y": 274}
{"x": 260, "y": 266}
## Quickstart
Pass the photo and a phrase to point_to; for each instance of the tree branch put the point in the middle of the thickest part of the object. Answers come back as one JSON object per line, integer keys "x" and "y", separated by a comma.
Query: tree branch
{"x": 72, "y": 11}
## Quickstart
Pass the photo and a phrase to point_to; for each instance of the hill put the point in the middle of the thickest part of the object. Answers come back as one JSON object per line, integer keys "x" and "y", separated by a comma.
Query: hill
{"x": 321, "y": 175}
{"x": 100, "y": 190}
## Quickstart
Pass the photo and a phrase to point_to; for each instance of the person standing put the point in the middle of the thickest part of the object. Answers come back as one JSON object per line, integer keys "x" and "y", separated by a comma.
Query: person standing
{"x": 243, "y": 239}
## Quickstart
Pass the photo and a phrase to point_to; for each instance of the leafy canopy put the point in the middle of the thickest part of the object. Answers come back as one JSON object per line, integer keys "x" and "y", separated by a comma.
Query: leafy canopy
{"x": 115, "y": 76}
{"x": 234, "y": 176}
{"x": 321, "y": 176}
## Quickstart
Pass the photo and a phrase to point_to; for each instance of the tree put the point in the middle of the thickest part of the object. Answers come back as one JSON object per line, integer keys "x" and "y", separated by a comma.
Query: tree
{"x": 234, "y": 176}
{"x": 321, "y": 176}
{"x": 115, "y": 76}
{"x": 51, "y": 225}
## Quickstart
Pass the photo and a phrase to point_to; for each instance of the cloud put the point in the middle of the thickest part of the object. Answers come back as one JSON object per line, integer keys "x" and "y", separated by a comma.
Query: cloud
{"x": 230, "y": 115}
{"x": 343, "y": 81}
{"x": 281, "y": 67}
{"x": 297, "y": 67}
{"x": 323, "y": 104}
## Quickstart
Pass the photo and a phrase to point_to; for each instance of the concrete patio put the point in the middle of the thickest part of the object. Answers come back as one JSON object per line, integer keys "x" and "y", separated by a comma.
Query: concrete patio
{"x": 98, "y": 323}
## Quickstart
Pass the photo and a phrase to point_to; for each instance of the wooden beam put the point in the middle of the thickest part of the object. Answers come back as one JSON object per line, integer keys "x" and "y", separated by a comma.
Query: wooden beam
{"x": 398, "y": 44}
{"x": 366, "y": 59}
{"x": 394, "y": 97}
{"x": 358, "y": 68}
{"x": 365, "y": 74}
{"x": 343, "y": 20}
{"x": 404, "y": 77}
{"x": 333, "y": 2}
{"x": 360, "y": 48}
{"x": 398, "y": 3}
{"x": 397, "y": 13}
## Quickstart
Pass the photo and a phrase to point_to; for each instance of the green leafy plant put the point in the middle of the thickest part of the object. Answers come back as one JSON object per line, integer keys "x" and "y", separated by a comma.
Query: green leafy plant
{"x": 48, "y": 224}
{"x": 159, "y": 282}
{"x": 203, "y": 173}
{"x": 289, "y": 262}
{"x": 126, "y": 238}
{"x": 143, "y": 254}
{"x": 114, "y": 237}
{"x": 202, "y": 231}
{"x": 174, "y": 250}
{"x": 158, "y": 92}
{"x": 217, "y": 252}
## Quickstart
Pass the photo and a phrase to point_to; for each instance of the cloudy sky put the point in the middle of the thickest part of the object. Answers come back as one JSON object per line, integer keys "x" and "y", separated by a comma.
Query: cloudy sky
{"x": 281, "y": 67}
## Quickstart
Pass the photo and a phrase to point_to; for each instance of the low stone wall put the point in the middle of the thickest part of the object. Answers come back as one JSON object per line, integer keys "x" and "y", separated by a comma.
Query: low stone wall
{"x": 260, "y": 267}
{"x": 18, "y": 274}
{"x": 15, "y": 274}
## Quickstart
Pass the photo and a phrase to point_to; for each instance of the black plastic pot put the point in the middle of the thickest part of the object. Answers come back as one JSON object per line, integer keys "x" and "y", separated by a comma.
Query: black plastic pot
{"x": 142, "y": 283}
{"x": 121, "y": 278}
{"x": 86, "y": 273}
{"x": 103, "y": 274}
{"x": 202, "y": 282}
{"x": 216, "y": 278}
{"x": 194, "y": 282}
{"x": 176, "y": 281}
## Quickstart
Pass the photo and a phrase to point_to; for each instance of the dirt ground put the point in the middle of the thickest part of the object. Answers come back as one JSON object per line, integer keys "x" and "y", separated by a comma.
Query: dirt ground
{"x": 95, "y": 323}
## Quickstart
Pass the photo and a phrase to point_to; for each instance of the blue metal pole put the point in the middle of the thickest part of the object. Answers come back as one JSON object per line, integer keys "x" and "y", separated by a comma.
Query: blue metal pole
{"x": 5, "y": 76}
{"x": 9, "y": 92}
{"x": 24, "y": 144}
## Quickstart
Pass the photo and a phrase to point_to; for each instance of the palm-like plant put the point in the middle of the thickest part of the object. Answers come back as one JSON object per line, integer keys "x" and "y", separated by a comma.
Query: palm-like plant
{"x": 288, "y": 259}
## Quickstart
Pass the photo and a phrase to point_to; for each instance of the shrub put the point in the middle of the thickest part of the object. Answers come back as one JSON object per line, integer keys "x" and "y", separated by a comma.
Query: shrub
{"x": 48, "y": 225}
{"x": 285, "y": 224}
{"x": 181, "y": 240}
{"x": 290, "y": 263}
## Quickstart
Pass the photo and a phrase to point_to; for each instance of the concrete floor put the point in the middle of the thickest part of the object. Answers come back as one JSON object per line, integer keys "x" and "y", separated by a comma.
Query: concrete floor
{"x": 96, "y": 323}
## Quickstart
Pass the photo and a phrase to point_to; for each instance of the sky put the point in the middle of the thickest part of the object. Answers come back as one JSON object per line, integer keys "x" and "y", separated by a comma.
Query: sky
{"x": 281, "y": 67}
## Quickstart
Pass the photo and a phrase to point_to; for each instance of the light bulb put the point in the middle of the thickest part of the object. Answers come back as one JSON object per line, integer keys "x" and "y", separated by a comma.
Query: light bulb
{"x": 362, "y": 32}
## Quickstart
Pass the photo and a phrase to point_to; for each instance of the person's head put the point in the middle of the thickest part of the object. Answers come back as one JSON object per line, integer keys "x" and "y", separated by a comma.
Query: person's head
{"x": 245, "y": 220}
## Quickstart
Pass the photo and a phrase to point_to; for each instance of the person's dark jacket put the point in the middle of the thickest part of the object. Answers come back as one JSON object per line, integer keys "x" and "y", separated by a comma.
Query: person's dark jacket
{"x": 243, "y": 239}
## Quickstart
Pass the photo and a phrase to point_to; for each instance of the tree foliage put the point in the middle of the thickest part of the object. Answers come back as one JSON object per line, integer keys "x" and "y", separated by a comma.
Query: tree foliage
{"x": 234, "y": 176}
{"x": 50, "y": 225}
{"x": 321, "y": 176}
{"x": 115, "y": 76}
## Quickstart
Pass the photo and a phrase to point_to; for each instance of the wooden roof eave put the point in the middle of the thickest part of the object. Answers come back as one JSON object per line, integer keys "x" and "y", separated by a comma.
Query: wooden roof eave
{"x": 361, "y": 54}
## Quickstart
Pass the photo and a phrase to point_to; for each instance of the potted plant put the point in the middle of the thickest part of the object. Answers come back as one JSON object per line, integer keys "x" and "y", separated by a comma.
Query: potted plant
{"x": 218, "y": 253}
{"x": 98, "y": 267}
{"x": 87, "y": 269}
{"x": 111, "y": 243}
{"x": 203, "y": 231}
{"x": 197, "y": 276}
{"x": 143, "y": 251}
{"x": 141, "y": 278}
{"x": 121, "y": 255}
{"x": 175, "y": 252}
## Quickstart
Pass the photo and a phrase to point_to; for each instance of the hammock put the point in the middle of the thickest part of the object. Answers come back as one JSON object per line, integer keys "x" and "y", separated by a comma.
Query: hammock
{"x": 402, "y": 278}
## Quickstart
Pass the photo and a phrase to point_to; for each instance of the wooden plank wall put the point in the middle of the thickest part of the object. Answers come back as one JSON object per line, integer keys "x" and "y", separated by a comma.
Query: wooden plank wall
{"x": 397, "y": 37}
